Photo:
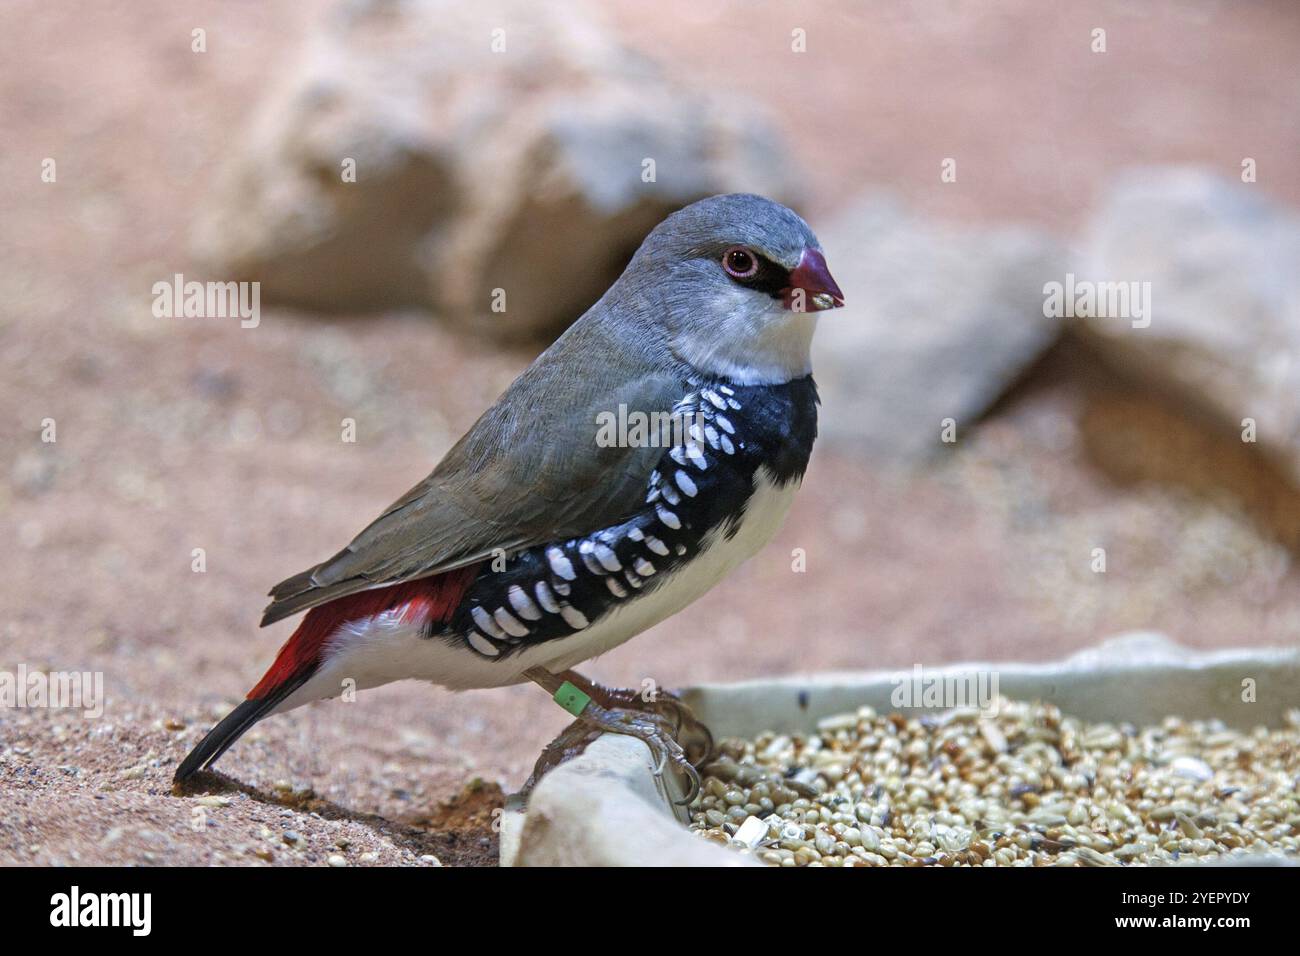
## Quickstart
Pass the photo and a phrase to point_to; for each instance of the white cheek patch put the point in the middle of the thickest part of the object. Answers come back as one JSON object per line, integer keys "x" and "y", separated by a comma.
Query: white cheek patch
{"x": 748, "y": 337}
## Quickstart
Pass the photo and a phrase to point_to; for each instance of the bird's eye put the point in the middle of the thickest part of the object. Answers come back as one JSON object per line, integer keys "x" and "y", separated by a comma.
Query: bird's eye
{"x": 740, "y": 263}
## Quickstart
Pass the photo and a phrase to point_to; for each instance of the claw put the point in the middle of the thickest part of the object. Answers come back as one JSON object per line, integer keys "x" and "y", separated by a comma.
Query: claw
{"x": 694, "y": 791}
{"x": 572, "y": 741}
{"x": 663, "y": 762}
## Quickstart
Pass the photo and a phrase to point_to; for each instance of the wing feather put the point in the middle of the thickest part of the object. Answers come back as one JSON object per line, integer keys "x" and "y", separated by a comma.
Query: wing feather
{"x": 530, "y": 471}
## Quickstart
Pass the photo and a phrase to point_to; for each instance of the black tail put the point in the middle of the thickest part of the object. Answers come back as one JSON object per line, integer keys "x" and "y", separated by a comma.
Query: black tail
{"x": 234, "y": 726}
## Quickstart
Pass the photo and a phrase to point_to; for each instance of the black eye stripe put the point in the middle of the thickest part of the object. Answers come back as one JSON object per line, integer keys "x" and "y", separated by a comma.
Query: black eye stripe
{"x": 770, "y": 278}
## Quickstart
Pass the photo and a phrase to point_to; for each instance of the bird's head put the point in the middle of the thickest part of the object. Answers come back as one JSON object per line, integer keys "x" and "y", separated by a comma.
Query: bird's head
{"x": 736, "y": 281}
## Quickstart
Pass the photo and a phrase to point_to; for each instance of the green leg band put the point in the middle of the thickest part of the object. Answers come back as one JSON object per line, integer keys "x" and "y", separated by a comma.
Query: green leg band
{"x": 572, "y": 699}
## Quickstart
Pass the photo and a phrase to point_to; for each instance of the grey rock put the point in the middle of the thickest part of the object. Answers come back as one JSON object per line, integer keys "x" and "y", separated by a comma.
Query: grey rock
{"x": 939, "y": 321}
{"x": 476, "y": 170}
{"x": 605, "y": 807}
{"x": 1223, "y": 263}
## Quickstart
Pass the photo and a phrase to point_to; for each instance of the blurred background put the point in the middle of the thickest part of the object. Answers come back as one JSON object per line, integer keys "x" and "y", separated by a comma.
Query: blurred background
{"x": 953, "y": 157}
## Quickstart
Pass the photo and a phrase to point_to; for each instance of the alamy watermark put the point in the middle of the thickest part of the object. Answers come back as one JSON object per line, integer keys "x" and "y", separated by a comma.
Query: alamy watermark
{"x": 133, "y": 911}
{"x": 638, "y": 429}
{"x": 1083, "y": 298}
{"x": 946, "y": 690}
{"x": 55, "y": 690}
{"x": 179, "y": 299}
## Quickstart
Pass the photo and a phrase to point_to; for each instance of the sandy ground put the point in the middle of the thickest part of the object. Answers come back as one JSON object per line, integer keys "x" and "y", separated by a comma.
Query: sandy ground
{"x": 175, "y": 435}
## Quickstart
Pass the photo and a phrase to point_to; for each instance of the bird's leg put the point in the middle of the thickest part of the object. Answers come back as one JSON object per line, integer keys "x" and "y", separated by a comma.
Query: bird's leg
{"x": 572, "y": 741}
{"x": 695, "y": 737}
{"x": 599, "y": 713}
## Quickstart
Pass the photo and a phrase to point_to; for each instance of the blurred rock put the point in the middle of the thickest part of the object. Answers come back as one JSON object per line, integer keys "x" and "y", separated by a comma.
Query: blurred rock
{"x": 939, "y": 321}
{"x": 1223, "y": 263}
{"x": 476, "y": 170}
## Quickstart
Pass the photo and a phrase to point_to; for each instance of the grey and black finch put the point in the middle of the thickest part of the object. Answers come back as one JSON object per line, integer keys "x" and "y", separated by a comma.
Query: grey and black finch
{"x": 534, "y": 546}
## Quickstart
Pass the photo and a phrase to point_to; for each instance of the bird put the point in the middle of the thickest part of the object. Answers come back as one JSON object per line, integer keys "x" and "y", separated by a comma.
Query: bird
{"x": 546, "y": 536}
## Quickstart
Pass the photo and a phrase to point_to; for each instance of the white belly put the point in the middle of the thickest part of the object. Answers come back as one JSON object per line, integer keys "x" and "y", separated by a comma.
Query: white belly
{"x": 384, "y": 649}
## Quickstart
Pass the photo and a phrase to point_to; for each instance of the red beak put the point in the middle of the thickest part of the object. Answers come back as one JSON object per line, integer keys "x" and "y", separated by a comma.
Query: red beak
{"x": 811, "y": 287}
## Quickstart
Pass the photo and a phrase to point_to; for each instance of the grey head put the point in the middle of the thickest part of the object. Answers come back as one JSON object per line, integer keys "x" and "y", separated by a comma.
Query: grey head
{"x": 730, "y": 286}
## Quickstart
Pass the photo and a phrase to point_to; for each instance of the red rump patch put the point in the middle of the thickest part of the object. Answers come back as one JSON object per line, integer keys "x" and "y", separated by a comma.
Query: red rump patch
{"x": 423, "y": 599}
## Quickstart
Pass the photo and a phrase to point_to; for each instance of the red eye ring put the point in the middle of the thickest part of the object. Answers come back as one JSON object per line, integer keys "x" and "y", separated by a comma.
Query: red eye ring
{"x": 739, "y": 263}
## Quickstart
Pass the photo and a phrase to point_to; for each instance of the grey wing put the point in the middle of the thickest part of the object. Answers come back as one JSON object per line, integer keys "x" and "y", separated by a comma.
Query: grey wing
{"x": 529, "y": 472}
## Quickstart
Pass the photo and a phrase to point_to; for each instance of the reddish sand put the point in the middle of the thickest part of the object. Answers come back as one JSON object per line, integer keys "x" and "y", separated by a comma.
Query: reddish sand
{"x": 175, "y": 435}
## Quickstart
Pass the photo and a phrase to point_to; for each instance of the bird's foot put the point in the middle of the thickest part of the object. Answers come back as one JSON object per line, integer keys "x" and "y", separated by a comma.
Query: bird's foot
{"x": 695, "y": 738}
{"x": 656, "y": 718}
{"x": 653, "y": 729}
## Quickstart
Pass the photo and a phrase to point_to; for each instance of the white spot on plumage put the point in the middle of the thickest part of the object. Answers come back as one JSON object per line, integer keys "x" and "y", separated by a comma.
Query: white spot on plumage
{"x": 643, "y": 567}
{"x": 487, "y": 624}
{"x": 560, "y": 565}
{"x": 711, "y": 435}
{"x": 733, "y": 404}
{"x": 667, "y": 517}
{"x": 545, "y": 598}
{"x": 726, "y": 390}
{"x": 713, "y": 398}
{"x": 573, "y": 617}
{"x": 587, "y": 551}
{"x": 725, "y": 424}
{"x": 727, "y": 446}
{"x": 671, "y": 496}
{"x": 684, "y": 482}
{"x": 630, "y": 577}
{"x": 678, "y": 454}
{"x": 696, "y": 456}
{"x": 636, "y": 534}
{"x": 509, "y": 623}
{"x": 607, "y": 558}
{"x": 523, "y": 604}
{"x": 657, "y": 546}
{"x": 615, "y": 588}
{"x": 482, "y": 644}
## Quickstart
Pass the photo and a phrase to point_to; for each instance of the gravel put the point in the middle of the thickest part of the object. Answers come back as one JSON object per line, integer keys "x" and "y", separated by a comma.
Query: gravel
{"x": 1027, "y": 786}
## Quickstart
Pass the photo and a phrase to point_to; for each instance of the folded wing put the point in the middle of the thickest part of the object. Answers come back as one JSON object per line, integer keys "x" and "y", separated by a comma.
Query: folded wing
{"x": 528, "y": 472}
